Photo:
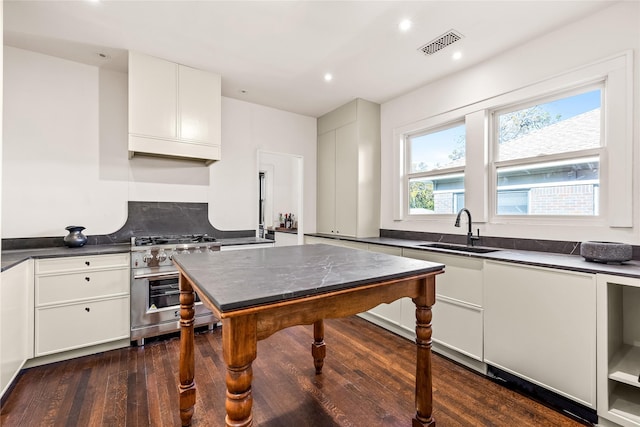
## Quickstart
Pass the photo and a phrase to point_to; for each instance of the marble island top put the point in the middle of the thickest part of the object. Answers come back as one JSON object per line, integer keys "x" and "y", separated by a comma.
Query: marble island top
{"x": 235, "y": 280}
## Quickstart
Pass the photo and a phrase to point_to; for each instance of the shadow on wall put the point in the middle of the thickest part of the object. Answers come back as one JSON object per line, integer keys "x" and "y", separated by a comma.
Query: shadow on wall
{"x": 114, "y": 162}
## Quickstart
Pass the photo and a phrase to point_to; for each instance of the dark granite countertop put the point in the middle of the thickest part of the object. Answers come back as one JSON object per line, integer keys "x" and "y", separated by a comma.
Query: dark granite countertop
{"x": 248, "y": 278}
{"x": 11, "y": 258}
{"x": 15, "y": 257}
{"x": 243, "y": 241}
{"x": 540, "y": 259}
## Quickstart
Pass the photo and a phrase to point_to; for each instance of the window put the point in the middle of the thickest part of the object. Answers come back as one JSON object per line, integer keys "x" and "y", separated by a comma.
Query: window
{"x": 547, "y": 156}
{"x": 541, "y": 157}
{"x": 435, "y": 165}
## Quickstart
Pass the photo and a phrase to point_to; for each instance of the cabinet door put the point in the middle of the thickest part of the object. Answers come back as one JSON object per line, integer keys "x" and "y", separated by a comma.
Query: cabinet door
{"x": 540, "y": 324}
{"x": 389, "y": 312}
{"x": 153, "y": 95}
{"x": 199, "y": 106}
{"x": 326, "y": 198}
{"x": 60, "y": 288}
{"x": 458, "y": 326}
{"x": 67, "y": 327}
{"x": 16, "y": 321}
{"x": 81, "y": 263}
{"x": 286, "y": 239}
{"x": 346, "y": 186}
{"x": 458, "y": 313}
{"x": 462, "y": 280}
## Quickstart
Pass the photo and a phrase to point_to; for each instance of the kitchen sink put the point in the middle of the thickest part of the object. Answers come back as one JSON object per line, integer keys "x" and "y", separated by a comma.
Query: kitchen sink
{"x": 459, "y": 248}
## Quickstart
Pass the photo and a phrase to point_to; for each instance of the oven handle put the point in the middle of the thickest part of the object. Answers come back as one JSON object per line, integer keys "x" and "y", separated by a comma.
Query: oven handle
{"x": 167, "y": 275}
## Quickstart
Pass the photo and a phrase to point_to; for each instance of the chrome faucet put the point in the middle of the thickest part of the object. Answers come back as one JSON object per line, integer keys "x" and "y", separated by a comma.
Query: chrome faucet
{"x": 470, "y": 237}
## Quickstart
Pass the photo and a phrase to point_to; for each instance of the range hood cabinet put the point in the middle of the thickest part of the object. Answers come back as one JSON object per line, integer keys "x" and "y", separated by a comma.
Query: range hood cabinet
{"x": 174, "y": 110}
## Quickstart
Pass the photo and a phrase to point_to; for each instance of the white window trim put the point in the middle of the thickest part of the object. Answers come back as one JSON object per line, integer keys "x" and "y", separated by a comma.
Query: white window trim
{"x": 616, "y": 182}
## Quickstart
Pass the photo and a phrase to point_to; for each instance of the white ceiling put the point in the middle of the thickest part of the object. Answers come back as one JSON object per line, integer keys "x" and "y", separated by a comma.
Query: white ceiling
{"x": 279, "y": 51}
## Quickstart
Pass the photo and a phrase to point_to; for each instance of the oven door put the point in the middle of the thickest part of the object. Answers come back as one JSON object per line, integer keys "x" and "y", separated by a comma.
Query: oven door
{"x": 155, "y": 297}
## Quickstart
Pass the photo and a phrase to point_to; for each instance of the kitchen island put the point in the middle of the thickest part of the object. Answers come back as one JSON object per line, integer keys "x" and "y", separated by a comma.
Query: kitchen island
{"x": 262, "y": 291}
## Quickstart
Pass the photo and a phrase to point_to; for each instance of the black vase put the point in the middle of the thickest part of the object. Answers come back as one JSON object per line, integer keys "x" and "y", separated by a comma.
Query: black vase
{"x": 75, "y": 238}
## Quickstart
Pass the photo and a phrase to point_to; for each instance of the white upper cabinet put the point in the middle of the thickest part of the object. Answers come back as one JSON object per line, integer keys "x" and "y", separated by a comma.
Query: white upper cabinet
{"x": 174, "y": 110}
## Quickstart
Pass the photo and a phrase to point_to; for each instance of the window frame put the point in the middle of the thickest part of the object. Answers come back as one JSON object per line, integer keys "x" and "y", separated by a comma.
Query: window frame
{"x": 495, "y": 164}
{"x": 616, "y": 185}
{"x": 442, "y": 173}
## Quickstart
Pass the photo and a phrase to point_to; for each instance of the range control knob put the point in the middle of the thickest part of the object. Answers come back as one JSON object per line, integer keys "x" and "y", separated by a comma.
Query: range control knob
{"x": 147, "y": 257}
{"x": 162, "y": 255}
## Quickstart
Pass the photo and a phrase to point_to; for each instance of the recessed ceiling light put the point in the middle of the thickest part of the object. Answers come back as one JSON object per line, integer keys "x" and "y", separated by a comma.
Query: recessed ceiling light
{"x": 328, "y": 77}
{"x": 103, "y": 56}
{"x": 405, "y": 25}
{"x": 456, "y": 55}
{"x": 243, "y": 91}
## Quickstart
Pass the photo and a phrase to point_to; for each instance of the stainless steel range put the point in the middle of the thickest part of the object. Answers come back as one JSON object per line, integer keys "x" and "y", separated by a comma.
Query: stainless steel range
{"x": 155, "y": 292}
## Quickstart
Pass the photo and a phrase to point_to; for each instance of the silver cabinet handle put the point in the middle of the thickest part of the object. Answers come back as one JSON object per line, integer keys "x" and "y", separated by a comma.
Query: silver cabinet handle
{"x": 168, "y": 275}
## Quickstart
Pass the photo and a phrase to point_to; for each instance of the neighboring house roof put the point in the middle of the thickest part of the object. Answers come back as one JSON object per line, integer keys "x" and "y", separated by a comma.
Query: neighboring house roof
{"x": 576, "y": 133}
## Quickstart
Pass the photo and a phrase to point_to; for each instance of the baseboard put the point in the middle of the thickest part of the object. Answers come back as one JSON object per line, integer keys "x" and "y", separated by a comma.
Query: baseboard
{"x": 553, "y": 400}
{"x": 72, "y": 354}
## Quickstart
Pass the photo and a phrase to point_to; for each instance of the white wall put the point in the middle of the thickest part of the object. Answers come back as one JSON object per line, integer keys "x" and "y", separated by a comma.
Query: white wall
{"x": 66, "y": 159}
{"x": 596, "y": 37}
{"x": 247, "y": 128}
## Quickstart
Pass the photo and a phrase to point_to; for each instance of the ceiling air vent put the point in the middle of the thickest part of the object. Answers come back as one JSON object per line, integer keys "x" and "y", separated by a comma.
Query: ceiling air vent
{"x": 441, "y": 42}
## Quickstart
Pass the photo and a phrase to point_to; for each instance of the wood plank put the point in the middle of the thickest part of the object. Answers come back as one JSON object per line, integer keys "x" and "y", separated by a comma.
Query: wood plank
{"x": 367, "y": 379}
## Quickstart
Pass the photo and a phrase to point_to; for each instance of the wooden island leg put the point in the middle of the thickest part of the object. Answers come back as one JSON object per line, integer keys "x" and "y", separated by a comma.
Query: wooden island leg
{"x": 187, "y": 386}
{"x": 318, "y": 348}
{"x": 424, "y": 397}
{"x": 239, "y": 345}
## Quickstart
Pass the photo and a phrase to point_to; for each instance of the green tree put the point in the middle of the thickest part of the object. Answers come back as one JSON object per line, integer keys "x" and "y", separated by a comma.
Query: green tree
{"x": 421, "y": 195}
{"x": 514, "y": 125}
{"x": 519, "y": 123}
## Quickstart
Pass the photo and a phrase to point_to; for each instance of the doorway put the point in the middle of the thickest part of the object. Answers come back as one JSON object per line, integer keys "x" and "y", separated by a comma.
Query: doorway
{"x": 280, "y": 184}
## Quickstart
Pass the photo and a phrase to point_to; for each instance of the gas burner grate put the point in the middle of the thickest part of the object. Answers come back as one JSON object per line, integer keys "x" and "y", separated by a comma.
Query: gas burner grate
{"x": 173, "y": 239}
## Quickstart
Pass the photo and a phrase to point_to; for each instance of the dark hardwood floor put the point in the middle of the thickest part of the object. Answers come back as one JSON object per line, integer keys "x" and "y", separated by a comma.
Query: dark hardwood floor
{"x": 368, "y": 380}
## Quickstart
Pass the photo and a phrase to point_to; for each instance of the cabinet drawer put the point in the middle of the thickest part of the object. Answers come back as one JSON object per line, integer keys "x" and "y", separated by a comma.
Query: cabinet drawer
{"x": 84, "y": 324}
{"x": 58, "y": 288}
{"x": 462, "y": 279}
{"x": 459, "y": 327}
{"x": 74, "y": 263}
{"x": 391, "y": 250}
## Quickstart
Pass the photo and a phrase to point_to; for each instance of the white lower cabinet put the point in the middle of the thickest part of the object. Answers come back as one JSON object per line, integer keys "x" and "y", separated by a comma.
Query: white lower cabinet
{"x": 310, "y": 240}
{"x": 619, "y": 349}
{"x": 285, "y": 239}
{"x": 387, "y": 315}
{"x": 16, "y": 321}
{"x": 71, "y": 326}
{"x": 458, "y": 313}
{"x": 81, "y": 302}
{"x": 540, "y": 324}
